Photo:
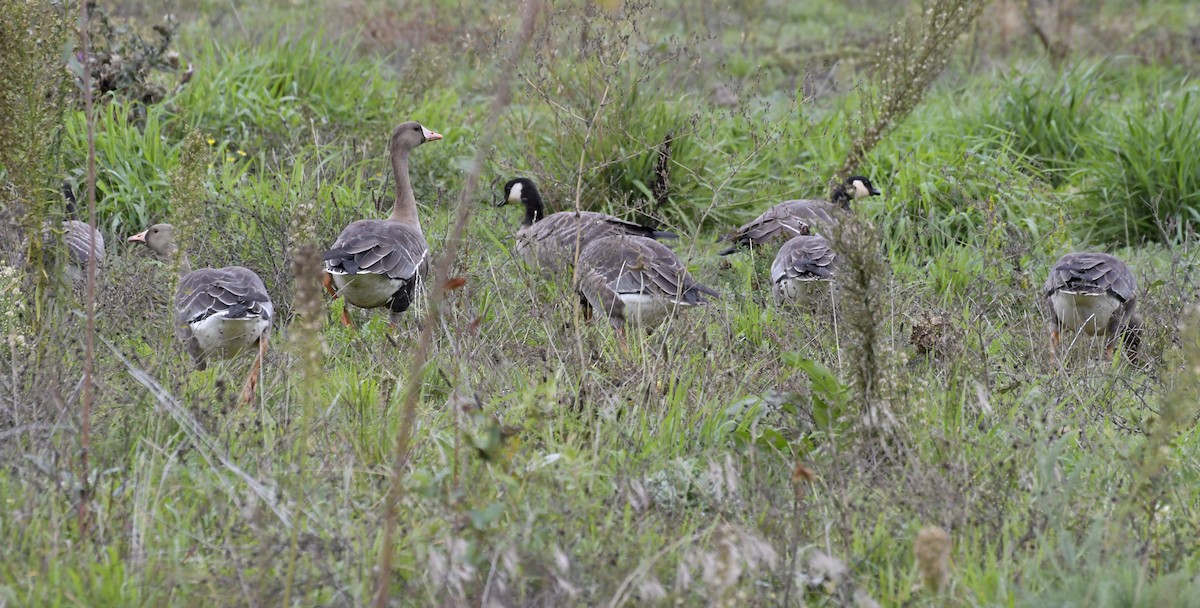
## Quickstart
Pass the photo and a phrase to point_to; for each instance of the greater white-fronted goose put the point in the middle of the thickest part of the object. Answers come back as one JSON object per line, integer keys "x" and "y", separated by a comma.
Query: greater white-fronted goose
{"x": 549, "y": 240}
{"x": 635, "y": 279}
{"x": 1094, "y": 294}
{"x": 219, "y": 312}
{"x": 783, "y": 221}
{"x": 376, "y": 263}
{"x": 804, "y": 270}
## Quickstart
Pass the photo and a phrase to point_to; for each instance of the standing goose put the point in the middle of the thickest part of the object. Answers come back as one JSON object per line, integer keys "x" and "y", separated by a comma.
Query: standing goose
{"x": 375, "y": 263}
{"x": 635, "y": 279}
{"x": 549, "y": 240}
{"x": 1096, "y": 294}
{"x": 803, "y": 272}
{"x": 783, "y": 221}
{"x": 219, "y": 312}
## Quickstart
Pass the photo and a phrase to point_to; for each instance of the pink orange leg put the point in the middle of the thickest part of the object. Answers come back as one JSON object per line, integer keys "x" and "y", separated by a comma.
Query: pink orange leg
{"x": 327, "y": 281}
{"x": 248, "y": 390}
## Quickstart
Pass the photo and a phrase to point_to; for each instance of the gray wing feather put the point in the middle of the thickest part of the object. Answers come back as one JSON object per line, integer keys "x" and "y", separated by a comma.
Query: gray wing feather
{"x": 381, "y": 247}
{"x": 234, "y": 291}
{"x": 805, "y": 257}
{"x": 75, "y": 235}
{"x": 617, "y": 265}
{"x": 1092, "y": 273}
{"x": 553, "y": 238}
{"x": 782, "y": 222}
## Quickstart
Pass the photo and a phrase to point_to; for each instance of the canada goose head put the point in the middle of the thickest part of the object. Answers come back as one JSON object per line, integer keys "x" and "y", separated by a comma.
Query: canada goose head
{"x": 159, "y": 238}
{"x": 855, "y": 187}
{"x": 409, "y": 135}
{"x": 522, "y": 190}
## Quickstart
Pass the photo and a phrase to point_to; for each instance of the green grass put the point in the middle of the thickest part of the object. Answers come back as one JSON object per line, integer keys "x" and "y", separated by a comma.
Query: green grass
{"x": 547, "y": 467}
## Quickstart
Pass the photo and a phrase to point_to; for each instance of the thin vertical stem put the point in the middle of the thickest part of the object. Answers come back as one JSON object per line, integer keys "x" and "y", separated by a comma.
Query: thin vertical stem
{"x": 437, "y": 293}
{"x": 85, "y": 423}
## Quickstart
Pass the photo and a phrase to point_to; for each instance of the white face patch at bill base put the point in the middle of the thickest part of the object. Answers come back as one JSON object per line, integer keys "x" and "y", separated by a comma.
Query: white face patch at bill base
{"x": 514, "y": 193}
{"x": 429, "y": 135}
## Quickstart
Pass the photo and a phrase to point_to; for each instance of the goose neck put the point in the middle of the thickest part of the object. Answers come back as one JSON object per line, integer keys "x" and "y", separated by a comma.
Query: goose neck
{"x": 535, "y": 210}
{"x": 404, "y": 210}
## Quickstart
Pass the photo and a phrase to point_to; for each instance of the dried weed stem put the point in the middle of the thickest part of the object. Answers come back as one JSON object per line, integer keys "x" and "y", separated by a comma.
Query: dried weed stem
{"x": 412, "y": 387}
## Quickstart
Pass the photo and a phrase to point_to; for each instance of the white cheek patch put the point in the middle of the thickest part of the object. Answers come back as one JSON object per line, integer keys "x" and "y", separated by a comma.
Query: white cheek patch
{"x": 860, "y": 190}
{"x": 514, "y": 194}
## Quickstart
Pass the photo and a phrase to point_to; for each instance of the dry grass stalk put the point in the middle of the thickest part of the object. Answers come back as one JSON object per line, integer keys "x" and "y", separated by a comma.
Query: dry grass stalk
{"x": 307, "y": 328}
{"x": 187, "y": 195}
{"x": 89, "y": 356}
{"x": 864, "y": 307}
{"x": 932, "y": 549}
{"x": 915, "y": 55}
{"x": 441, "y": 275}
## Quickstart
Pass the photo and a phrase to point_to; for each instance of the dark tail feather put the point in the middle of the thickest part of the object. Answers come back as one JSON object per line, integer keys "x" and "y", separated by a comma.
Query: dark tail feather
{"x": 237, "y": 310}
{"x": 659, "y": 235}
{"x": 733, "y": 249}
{"x": 402, "y": 299}
{"x": 333, "y": 254}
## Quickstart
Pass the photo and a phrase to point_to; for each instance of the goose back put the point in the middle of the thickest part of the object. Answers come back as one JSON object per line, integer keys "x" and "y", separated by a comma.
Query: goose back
{"x": 1093, "y": 293}
{"x": 801, "y": 267}
{"x": 550, "y": 242}
{"x": 782, "y": 222}
{"x": 221, "y": 311}
{"x": 79, "y": 246}
{"x": 377, "y": 263}
{"x": 636, "y": 279}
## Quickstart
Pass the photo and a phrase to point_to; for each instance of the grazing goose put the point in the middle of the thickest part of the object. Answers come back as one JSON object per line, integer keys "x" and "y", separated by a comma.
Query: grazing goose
{"x": 375, "y": 263}
{"x": 637, "y": 280}
{"x": 783, "y": 221}
{"x": 1093, "y": 293}
{"x": 804, "y": 270}
{"x": 549, "y": 240}
{"x": 78, "y": 244}
{"x": 220, "y": 312}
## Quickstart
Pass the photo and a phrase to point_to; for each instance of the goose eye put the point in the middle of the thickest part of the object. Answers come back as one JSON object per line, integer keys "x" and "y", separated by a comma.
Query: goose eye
{"x": 417, "y": 128}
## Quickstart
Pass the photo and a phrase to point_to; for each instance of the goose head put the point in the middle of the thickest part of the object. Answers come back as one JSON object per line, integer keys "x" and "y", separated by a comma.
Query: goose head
{"x": 159, "y": 238}
{"x": 855, "y": 187}
{"x": 409, "y": 135}
{"x": 522, "y": 190}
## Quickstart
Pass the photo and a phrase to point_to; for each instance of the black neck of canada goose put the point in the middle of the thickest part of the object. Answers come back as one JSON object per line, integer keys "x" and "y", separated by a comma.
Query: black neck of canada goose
{"x": 524, "y": 190}
{"x": 69, "y": 194}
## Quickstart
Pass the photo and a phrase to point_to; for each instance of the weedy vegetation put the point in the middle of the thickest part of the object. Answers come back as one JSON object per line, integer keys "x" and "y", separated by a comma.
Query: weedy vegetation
{"x": 915, "y": 445}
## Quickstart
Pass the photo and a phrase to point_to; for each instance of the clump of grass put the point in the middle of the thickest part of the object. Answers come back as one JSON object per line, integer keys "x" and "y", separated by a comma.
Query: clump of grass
{"x": 1145, "y": 180}
{"x": 1047, "y": 120}
{"x": 256, "y": 97}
